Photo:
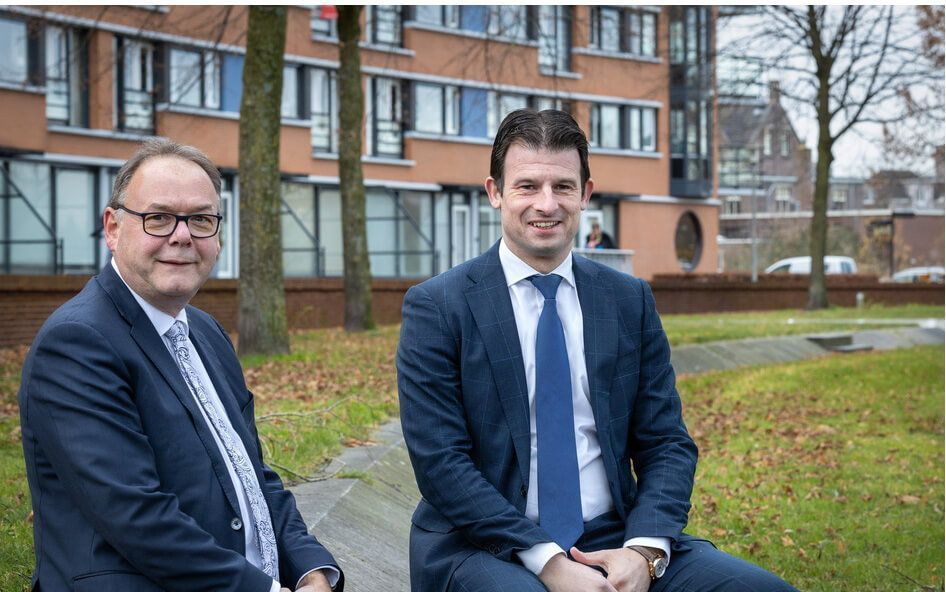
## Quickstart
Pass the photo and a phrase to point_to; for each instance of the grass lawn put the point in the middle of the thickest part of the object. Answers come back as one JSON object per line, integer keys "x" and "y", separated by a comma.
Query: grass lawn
{"x": 701, "y": 328}
{"x": 829, "y": 471}
{"x": 851, "y": 477}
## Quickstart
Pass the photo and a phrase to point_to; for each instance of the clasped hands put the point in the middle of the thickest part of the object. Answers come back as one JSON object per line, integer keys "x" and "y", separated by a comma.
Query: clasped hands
{"x": 627, "y": 571}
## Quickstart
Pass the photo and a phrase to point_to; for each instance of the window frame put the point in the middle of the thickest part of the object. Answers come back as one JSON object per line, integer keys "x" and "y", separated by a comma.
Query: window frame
{"x": 632, "y": 26}
{"x": 631, "y": 127}
{"x": 147, "y": 80}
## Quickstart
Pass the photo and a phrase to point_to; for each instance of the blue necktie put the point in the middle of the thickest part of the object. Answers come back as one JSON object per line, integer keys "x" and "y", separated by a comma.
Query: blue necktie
{"x": 557, "y": 471}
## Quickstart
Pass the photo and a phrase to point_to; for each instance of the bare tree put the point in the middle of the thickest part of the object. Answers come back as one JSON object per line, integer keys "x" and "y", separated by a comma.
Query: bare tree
{"x": 262, "y": 311}
{"x": 915, "y": 139}
{"x": 847, "y": 64}
{"x": 351, "y": 177}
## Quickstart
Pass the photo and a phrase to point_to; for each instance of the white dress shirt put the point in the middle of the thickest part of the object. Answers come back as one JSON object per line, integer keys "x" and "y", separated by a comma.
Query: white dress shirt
{"x": 527, "y": 303}
{"x": 162, "y": 323}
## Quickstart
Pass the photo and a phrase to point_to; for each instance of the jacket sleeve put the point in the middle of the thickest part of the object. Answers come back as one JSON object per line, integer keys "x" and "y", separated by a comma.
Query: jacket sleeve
{"x": 81, "y": 410}
{"x": 299, "y": 551}
{"x": 663, "y": 454}
{"x": 436, "y": 432}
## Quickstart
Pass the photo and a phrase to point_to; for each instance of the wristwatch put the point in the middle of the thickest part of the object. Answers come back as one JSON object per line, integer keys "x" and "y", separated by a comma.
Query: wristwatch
{"x": 656, "y": 562}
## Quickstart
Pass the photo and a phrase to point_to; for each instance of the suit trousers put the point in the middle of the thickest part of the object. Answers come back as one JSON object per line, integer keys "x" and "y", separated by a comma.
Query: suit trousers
{"x": 696, "y": 565}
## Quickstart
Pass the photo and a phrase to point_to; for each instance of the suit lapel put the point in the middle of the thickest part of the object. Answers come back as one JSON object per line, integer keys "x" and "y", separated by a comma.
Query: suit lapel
{"x": 154, "y": 348}
{"x": 488, "y": 298}
{"x": 601, "y": 326}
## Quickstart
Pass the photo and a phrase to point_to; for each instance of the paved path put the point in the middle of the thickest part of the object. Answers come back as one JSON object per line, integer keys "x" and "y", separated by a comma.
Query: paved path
{"x": 365, "y": 521}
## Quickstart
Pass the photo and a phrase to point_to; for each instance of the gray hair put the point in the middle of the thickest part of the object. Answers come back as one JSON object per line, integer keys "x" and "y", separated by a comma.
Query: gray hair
{"x": 154, "y": 148}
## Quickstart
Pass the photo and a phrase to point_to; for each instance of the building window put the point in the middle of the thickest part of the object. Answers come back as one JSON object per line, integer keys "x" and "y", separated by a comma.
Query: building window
{"x": 499, "y": 105}
{"x": 383, "y": 24}
{"x": 732, "y": 205}
{"x": 291, "y": 105}
{"x": 56, "y": 210}
{"x": 688, "y": 241}
{"x": 323, "y": 108}
{"x": 606, "y": 126}
{"x": 628, "y": 128}
{"x": 437, "y": 109}
{"x": 14, "y": 67}
{"x": 555, "y": 43}
{"x": 783, "y": 199}
{"x": 135, "y": 88}
{"x": 321, "y": 26}
{"x": 738, "y": 167}
{"x": 438, "y": 15}
{"x": 784, "y": 146}
{"x": 66, "y": 76}
{"x": 623, "y": 30}
{"x": 194, "y": 78}
{"x": 473, "y": 112}
{"x": 838, "y": 199}
{"x": 385, "y": 117}
{"x": 543, "y": 103}
{"x": 508, "y": 21}
{"x": 767, "y": 141}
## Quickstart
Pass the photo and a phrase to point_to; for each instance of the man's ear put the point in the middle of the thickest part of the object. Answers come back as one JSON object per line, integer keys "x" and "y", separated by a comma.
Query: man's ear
{"x": 110, "y": 228}
{"x": 589, "y": 189}
{"x": 494, "y": 192}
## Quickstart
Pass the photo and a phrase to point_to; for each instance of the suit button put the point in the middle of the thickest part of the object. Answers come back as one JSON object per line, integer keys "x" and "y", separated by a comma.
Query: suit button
{"x": 236, "y": 524}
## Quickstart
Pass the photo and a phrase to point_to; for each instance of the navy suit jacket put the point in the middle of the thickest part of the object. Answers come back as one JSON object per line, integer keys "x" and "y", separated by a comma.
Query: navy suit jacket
{"x": 129, "y": 489}
{"x": 465, "y": 413}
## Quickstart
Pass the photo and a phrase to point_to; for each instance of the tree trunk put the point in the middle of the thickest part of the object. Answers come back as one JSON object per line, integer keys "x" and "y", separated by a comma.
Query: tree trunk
{"x": 351, "y": 179}
{"x": 262, "y": 314}
{"x": 817, "y": 288}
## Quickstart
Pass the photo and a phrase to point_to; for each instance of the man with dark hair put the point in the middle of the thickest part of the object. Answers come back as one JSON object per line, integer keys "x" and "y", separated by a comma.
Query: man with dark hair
{"x": 143, "y": 460}
{"x": 530, "y": 381}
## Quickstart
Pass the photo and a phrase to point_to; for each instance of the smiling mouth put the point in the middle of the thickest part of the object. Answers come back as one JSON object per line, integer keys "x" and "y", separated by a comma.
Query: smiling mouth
{"x": 178, "y": 262}
{"x": 544, "y": 225}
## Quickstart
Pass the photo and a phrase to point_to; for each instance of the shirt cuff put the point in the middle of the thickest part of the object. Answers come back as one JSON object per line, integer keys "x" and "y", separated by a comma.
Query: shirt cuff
{"x": 275, "y": 587}
{"x": 662, "y": 543}
{"x": 534, "y": 559}
{"x": 331, "y": 574}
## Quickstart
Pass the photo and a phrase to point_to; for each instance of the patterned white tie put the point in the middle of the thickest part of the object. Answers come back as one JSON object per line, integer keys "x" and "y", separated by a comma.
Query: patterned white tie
{"x": 265, "y": 537}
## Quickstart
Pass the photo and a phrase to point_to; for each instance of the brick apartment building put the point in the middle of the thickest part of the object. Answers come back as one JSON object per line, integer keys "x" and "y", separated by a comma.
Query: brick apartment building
{"x": 81, "y": 85}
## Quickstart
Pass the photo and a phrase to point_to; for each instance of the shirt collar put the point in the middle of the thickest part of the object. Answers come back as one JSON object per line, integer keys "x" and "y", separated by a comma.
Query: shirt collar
{"x": 517, "y": 270}
{"x": 161, "y": 320}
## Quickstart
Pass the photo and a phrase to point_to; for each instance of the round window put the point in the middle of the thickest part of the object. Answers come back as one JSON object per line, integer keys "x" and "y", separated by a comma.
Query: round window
{"x": 688, "y": 241}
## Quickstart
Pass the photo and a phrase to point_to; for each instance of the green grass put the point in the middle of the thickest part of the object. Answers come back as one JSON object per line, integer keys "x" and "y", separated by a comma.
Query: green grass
{"x": 828, "y": 472}
{"x": 335, "y": 388}
{"x": 702, "y": 328}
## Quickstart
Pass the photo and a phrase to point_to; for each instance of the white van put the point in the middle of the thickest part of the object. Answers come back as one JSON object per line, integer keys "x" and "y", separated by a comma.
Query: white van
{"x": 832, "y": 264}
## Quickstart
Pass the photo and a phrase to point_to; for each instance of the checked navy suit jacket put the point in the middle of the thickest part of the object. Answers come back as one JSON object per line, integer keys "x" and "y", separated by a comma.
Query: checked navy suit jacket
{"x": 465, "y": 413}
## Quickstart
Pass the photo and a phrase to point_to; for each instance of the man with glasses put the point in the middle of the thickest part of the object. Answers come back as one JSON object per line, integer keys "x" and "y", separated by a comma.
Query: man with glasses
{"x": 144, "y": 465}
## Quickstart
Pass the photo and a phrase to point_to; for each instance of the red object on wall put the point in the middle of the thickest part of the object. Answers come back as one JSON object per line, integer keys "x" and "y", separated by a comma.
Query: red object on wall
{"x": 328, "y": 12}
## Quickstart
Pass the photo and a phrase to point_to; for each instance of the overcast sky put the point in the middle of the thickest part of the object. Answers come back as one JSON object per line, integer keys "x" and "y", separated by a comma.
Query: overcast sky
{"x": 859, "y": 151}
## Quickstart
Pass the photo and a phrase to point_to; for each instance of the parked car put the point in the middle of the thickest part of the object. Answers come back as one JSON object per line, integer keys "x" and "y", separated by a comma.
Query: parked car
{"x": 833, "y": 264}
{"x": 920, "y": 275}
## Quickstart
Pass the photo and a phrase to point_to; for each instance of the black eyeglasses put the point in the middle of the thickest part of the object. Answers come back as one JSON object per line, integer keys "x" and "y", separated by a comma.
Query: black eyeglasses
{"x": 163, "y": 224}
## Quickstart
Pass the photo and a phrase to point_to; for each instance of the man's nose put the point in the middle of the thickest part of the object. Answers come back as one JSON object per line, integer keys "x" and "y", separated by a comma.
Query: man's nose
{"x": 547, "y": 201}
{"x": 181, "y": 234}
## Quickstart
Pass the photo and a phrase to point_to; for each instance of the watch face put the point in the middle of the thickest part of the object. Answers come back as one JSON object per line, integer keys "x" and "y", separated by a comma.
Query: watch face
{"x": 660, "y": 566}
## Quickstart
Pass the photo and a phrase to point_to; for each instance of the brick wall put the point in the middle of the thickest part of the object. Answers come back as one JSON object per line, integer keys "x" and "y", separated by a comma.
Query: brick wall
{"x": 696, "y": 293}
{"x": 26, "y": 301}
